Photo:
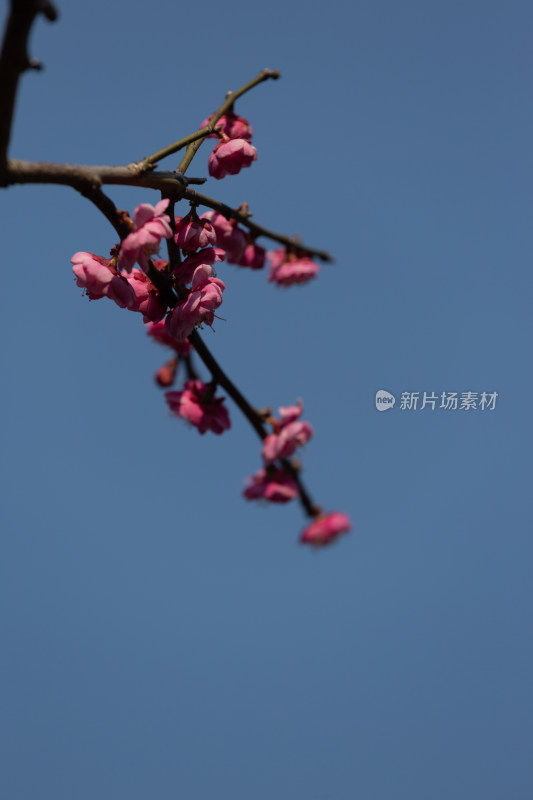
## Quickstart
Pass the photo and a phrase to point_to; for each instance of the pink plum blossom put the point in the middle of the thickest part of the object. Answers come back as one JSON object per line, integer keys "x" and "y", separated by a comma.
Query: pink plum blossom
{"x": 157, "y": 331}
{"x": 223, "y": 226}
{"x": 210, "y": 255}
{"x": 288, "y": 268}
{"x": 229, "y": 236}
{"x": 192, "y": 232}
{"x": 99, "y": 277}
{"x": 272, "y": 484}
{"x": 229, "y": 157}
{"x": 290, "y": 413}
{"x": 325, "y": 529}
{"x": 147, "y": 300}
{"x": 289, "y": 434}
{"x": 285, "y": 443}
{"x": 198, "y": 404}
{"x": 233, "y": 126}
{"x": 253, "y": 256}
{"x": 150, "y": 225}
{"x": 204, "y": 297}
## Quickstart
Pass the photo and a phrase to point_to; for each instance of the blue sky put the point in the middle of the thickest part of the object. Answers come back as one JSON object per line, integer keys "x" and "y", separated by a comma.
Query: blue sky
{"x": 161, "y": 637}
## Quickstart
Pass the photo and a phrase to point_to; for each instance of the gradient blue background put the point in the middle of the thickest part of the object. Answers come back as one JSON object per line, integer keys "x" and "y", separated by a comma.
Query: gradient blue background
{"x": 160, "y": 636}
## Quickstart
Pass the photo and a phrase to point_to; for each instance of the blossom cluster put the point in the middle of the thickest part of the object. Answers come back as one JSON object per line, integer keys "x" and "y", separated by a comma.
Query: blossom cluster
{"x": 117, "y": 278}
{"x": 277, "y": 482}
{"x": 234, "y": 150}
{"x": 129, "y": 278}
{"x": 204, "y": 241}
{"x": 287, "y": 267}
{"x": 274, "y": 482}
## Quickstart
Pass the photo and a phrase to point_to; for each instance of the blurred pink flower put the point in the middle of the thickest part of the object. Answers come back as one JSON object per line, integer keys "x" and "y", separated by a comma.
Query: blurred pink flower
{"x": 285, "y": 443}
{"x": 99, "y": 277}
{"x": 193, "y": 232}
{"x": 253, "y": 257}
{"x": 288, "y": 435}
{"x": 287, "y": 268}
{"x": 233, "y": 126}
{"x": 197, "y": 404}
{"x": 204, "y": 297}
{"x": 272, "y": 484}
{"x": 325, "y": 529}
{"x": 290, "y": 413}
{"x": 229, "y": 157}
{"x": 150, "y": 225}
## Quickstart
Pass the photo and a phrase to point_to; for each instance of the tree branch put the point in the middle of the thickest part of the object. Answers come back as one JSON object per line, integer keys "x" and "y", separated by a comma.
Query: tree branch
{"x": 221, "y": 378}
{"x": 253, "y": 227}
{"x": 77, "y": 175}
{"x": 88, "y": 180}
{"x": 14, "y": 60}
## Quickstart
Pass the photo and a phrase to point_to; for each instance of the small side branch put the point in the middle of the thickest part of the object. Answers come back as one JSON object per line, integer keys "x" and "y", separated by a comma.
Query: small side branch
{"x": 264, "y": 75}
{"x": 176, "y": 146}
{"x": 253, "y": 227}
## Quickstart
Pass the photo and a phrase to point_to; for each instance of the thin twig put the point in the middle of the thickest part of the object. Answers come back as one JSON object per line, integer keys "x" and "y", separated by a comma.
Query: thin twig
{"x": 264, "y": 75}
{"x": 175, "y": 146}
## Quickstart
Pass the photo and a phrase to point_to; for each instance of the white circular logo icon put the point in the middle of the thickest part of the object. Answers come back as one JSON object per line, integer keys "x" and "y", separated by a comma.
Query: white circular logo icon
{"x": 384, "y": 400}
